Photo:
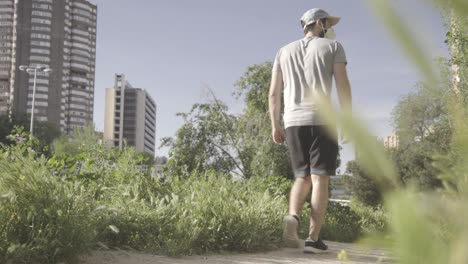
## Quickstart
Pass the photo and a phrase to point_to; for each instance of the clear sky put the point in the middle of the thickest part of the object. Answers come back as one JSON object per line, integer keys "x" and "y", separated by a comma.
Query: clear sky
{"x": 176, "y": 48}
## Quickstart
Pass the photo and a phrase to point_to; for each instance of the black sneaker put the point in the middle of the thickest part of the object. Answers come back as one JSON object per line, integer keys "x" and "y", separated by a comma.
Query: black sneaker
{"x": 291, "y": 226}
{"x": 311, "y": 246}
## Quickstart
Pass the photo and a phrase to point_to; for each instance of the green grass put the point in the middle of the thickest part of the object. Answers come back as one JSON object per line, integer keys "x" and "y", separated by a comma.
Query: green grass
{"x": 53, "y": 209}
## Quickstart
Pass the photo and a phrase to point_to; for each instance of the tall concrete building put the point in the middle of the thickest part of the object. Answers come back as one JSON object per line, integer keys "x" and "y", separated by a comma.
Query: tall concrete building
{"x": 130, "y": 115}
{"x": 58, "y": 34}
{"x": 392, "y": 141}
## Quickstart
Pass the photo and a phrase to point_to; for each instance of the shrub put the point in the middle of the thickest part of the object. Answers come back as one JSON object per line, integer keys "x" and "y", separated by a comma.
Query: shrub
{"x": 341, "y": 224}
{"x": 42, "y": 218}
{"x": 371, "y": 219}
{"x": 231, "y": 216}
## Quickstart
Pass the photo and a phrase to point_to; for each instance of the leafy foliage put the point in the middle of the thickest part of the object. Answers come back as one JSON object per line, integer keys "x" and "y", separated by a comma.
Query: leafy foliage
{"x": 425, "y": 226}
{"x": 230, "y": 144}
{"x": 363, "y": 187}
{"x": 42, "y": 217}
{"x": 207, "y": 141}
{"x": 45, "y": 131}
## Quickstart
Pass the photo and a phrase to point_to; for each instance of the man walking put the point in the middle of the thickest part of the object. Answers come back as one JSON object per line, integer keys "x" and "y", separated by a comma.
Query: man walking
{"x": 301, "y": 70}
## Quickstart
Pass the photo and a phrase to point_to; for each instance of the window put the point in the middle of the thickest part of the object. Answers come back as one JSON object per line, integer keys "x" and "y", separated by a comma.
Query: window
{"x": 45, "y": 1}
{"x": 40, "y": 51}
{"x": 41, "y": 13}
{"x": 82, "y": 12}
{"x": 80, "y": 32}
{"x": 40, "y": 21}
{"x": 40, "y": 65}
{"x": 81, "y": 19}
{"x": 39, "y": 96}
{"x": 39, "y": 28}
{"x": 80, "y": 100}
{"x": 80, "y": 52}
{"x": 83, "y": 46}
{"x": 40, "y": 43}
{"x": 38, "y": 103}
{"x": 87, "y": 7}
{"x": 42, "y": 6}
{"x": 6, "y": 9}
{"x": 85, "y": 40}
{"x": 39, "y": 58}
{"x": 76, "y": 58}
{"x": 39, "y": 88}
{"x": 40, "y": 36}
{"x": 6, "y": 23}
{"x": 78, "y": 106}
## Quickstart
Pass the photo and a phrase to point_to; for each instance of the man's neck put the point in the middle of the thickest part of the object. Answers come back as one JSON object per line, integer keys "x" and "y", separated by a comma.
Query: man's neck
{"x": 311, "y": 34}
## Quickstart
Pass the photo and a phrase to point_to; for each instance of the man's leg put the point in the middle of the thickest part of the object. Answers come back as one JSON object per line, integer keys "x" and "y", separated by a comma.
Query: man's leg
{"x": 319, "y": 202}
{"x": 299, "y": 192}
{"x": 298, "y": 195}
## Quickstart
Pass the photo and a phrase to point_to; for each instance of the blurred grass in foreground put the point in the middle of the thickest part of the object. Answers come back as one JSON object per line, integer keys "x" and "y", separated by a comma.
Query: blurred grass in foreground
{"x": 423, "y": 227}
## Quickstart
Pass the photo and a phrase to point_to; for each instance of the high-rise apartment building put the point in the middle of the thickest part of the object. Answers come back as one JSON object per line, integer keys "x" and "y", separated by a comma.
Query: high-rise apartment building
{"x": 130, "y": 115}
{"x": 60, "y": 35}
{"x": 392, "y": 141}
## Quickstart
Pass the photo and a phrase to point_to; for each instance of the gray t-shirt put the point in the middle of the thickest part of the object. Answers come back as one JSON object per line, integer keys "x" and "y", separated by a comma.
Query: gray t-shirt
{"x": 307, "y": 66}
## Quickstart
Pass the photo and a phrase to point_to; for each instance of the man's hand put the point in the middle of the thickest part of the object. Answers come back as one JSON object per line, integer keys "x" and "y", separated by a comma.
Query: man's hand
{"x": 279, "y": 136}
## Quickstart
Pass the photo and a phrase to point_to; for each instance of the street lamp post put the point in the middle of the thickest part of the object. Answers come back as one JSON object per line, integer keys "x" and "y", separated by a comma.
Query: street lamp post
{"x": 34, "y": 69}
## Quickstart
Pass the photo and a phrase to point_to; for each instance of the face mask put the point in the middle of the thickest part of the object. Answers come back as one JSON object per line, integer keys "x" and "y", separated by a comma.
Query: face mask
{"x": 324, "y": 31}
{"x": 330, "y": 34}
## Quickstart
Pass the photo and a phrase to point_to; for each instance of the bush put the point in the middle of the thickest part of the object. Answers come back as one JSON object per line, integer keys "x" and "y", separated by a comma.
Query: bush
{"x": 42, "y": 218}
{"x": 341, "y": 224}
{"x": 362, "y": 187}
{"x": 371, "y": 219}
{"x": 192, "y": 220}
{"x": 53, "y": 208}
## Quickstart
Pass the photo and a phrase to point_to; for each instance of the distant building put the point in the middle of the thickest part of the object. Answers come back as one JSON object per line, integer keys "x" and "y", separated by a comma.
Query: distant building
{"x": 338, "y": 187}
{"x": 130, "y": 115}
{"x": 60, "y": 35}
{"x": 391, "y": 141}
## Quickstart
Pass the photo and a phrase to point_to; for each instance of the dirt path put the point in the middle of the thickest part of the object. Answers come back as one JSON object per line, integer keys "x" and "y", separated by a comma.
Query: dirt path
{"x": 355, "y": 254}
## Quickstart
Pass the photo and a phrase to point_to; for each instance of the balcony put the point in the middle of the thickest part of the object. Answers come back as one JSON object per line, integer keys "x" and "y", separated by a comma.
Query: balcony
{"x": 80, "y": 32}
{"x": 78, "y": 18}
{"x": 80, "y": 80}
{"x": 79, "y": 67}
{"x": 4, "y": 74}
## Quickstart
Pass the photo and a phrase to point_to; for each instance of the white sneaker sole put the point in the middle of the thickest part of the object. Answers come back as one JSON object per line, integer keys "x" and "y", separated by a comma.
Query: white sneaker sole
{"x": 290, "y": 237}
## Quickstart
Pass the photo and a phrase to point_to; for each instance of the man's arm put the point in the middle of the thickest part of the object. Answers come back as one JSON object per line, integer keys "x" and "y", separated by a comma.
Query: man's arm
{"x": 343, "y": 86}
{"x": 274, "y": 104}
{"x": 343, "y": 90}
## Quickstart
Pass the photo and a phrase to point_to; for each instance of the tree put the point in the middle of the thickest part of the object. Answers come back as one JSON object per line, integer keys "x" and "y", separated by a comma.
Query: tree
{"x": 266, "y": 158}
{"x": 423, "y": 127}
{"x": 5, "y": 128}
{"x": 212, "y": 139}
{"x": 45, "y": 131}
{"x": 207, "y": 141}
{"x": 362, "y": 187}
{"x": 457, "y": 39}
{"x": 81, "y": 138}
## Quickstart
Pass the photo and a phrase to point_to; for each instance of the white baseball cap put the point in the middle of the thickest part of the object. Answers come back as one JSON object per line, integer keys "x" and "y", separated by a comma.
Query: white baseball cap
{"x": 315, "y": 14}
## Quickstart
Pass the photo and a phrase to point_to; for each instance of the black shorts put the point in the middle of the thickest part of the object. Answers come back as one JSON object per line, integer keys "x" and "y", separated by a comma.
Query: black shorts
{"x": 313, "y": 150}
